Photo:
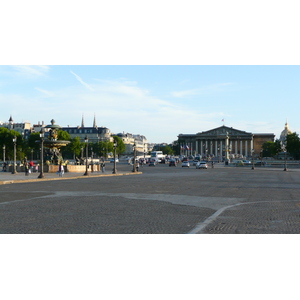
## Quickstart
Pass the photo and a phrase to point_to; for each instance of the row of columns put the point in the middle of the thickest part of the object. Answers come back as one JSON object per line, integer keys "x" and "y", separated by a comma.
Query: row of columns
{"x": 218, "y": 146}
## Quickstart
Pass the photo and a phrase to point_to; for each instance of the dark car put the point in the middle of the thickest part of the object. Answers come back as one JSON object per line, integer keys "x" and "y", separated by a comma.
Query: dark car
{"x": 152, "y": 164}
{"x": 172, "y": 163}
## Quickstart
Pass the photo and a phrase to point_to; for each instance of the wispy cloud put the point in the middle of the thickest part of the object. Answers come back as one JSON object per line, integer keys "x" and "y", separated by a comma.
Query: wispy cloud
{"x": 47, "y": 93}
{"x": 199, "y": 91}
{"x": 82, "y": 82}
{"x": 31, "y": 71}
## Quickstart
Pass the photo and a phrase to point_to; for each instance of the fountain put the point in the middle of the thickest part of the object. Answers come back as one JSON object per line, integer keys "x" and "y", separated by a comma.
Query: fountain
{"x": 52, "y": 155}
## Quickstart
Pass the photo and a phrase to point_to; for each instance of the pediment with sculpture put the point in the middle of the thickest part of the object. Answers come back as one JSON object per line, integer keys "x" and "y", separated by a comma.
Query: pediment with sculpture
{"x": 223, "y": 131}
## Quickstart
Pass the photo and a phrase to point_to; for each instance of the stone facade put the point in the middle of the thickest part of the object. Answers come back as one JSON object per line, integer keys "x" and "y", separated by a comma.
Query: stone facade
{"x": 223, "y": 141}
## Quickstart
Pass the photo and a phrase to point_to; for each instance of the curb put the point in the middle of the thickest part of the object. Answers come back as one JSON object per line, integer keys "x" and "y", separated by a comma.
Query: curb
{"x": 66, "y": 178}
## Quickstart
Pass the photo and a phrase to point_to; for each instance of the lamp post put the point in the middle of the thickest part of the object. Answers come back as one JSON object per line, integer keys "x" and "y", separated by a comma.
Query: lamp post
{"x": 144, "y": 152}
{"x": 31, "y": 154}
{"x": 15, "y": 155}
{"x": 261, "y": 157}
{"x": 92, "y": 156}
{"x": 86, "y": 140}
{"x": 3, "y": 153}
{"x": 285, "y": 167}
{"x": 219, "y": 153}
{"x": 115, "y": 153}
{"x": 252, "y": 152}
{"x": 42, "y": 154}
{"x": 134, "y": 158}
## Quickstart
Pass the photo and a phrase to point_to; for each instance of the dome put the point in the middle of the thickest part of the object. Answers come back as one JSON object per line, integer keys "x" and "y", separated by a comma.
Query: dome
{"x": 284, "y": 133}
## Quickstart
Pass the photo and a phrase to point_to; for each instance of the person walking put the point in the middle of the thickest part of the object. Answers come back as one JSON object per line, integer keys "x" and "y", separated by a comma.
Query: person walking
{"x": 31, "y": 164}
{"x": 26, "y": 166}
{"x": 103, "y": 167}
{"x": 60, "y": 170}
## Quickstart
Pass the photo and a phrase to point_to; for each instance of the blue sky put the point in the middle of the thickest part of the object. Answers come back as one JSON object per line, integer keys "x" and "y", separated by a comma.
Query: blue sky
{"x": 158, "y": 101}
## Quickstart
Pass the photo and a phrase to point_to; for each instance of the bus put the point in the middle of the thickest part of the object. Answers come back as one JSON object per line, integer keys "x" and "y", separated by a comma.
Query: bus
{"x": 158, "y": 155}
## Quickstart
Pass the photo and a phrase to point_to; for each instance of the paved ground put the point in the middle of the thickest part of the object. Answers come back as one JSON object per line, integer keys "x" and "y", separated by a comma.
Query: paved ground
{"x": 160, "y": 200}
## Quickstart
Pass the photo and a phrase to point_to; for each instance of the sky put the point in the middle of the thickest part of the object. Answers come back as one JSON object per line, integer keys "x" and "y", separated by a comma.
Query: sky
{"x": 157, "y": 101}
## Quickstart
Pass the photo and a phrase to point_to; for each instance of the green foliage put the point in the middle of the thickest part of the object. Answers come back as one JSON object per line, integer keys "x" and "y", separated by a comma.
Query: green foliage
{"x": 6, "y": 138}
{"x": 293, "y": 145}
{"x": 167, "y": 150}
{"x": 120, "y": 145}
{"x": 103, "y": 147}
{"x": 63, "y": 135}
{"x": 75, "y": 146}
{"x": 270, "y": 149}
{"x": 33, "y": 141}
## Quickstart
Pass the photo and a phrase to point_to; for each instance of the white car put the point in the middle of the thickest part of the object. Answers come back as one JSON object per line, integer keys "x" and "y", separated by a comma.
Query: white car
{"x": 185, "y": 164}
{"x": 201, "y": 165}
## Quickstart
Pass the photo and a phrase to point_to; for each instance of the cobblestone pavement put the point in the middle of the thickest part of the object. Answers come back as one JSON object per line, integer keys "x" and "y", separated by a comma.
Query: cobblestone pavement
{"x": 160, "y": 200}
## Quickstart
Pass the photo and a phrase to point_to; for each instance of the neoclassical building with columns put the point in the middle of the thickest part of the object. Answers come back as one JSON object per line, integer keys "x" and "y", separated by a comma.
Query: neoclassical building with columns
{"x": 224, "y": 141}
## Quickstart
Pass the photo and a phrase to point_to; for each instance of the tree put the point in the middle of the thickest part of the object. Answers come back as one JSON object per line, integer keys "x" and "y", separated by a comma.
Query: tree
{"x": 120, "y": 145}
{"x": 167, "y": 150}
{"x": 75, "y": 146}
{"x": 6, "y": 138}
{"x": 63, "y": 135}
{"x": 103, "y": 147}
{"x": 270, "y": 149}
{"x": 293, "y": 145}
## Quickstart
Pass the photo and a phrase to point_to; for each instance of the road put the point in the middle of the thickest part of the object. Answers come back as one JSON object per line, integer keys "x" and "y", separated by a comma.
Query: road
{"x": 161, "y": 200}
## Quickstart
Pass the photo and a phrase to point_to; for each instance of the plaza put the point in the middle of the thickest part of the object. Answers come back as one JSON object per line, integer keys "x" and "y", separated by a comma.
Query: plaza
{"x": 157, "y": 200}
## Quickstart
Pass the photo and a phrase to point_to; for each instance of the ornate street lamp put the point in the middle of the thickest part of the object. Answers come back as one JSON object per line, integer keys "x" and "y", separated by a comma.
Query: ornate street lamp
{"x": 15, "y": 155}
{"x": 31, "y": 154}
{"x": 42, "y": 154}
{"x": 115, "y": 154}
{"x": 285, "y": 166}
{"x": 219, "y": 153}
{"x": 252, "y": 153}
{"x": 86, "y": 140}
{"x": 144, "y": 152}
{"x": 134, "y": 158}
{"x": 3, "y": 153}
{"x": 92, "y": 156}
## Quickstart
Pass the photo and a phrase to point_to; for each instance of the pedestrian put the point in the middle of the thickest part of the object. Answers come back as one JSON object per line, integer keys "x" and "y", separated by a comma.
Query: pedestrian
{"x": 36, "y": 168}
{"x": 103, "y": 167}
{"x": 60, "y": 170}
{"x": 26, "y": 166}
{"x": 31, "y": 164}
{"x": 212, "y": 164}
{"x": 137, "y": 166}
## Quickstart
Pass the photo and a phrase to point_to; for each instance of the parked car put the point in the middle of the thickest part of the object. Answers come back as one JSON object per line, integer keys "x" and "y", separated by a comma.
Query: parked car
{"x": 201, "y": 165}
{"x": 172, "y": 163}
{"x": 152, "y": 164}
{"x": 112, "y": 160}
{"x": 185, "y": 164}
{"x": 247, "y": 162}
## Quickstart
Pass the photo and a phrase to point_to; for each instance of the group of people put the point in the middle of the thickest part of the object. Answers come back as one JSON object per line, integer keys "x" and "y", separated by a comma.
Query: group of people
{"x": 30, "y": 167}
